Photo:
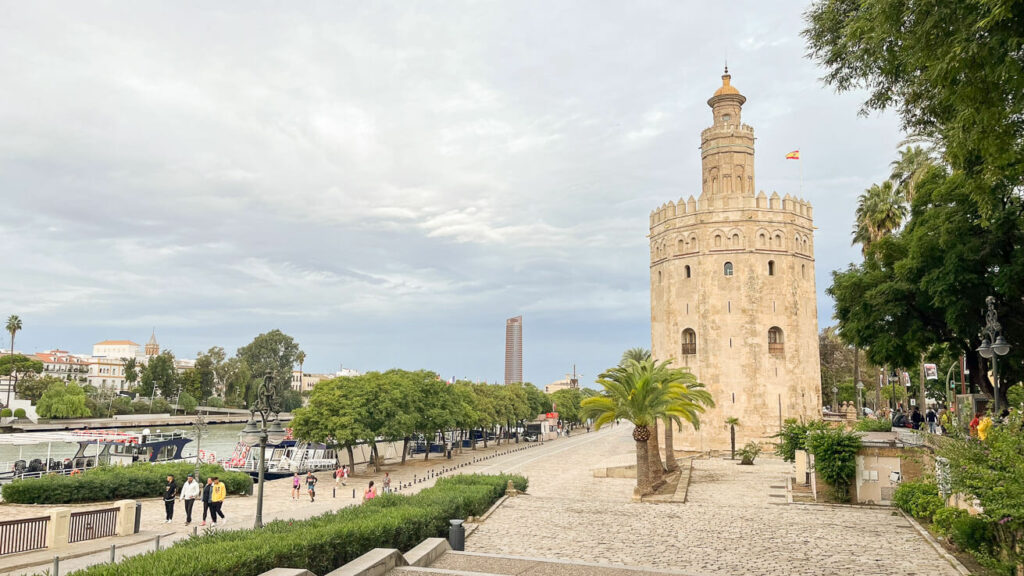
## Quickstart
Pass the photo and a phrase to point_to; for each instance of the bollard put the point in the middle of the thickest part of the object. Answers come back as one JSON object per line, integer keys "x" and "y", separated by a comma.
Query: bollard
{"x": 457, "y": 536}
{"x": 334, "y": 492}
{"x": 353, "y": 493}
{"x": 157, "y": 542}
{"x": 113, "y": 553}
{"x": 195, "y": 530}
{"x": 56, "y": 566}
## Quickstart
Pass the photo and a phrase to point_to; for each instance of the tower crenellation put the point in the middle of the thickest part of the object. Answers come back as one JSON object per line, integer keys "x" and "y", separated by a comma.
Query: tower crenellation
{"x": 732, "y": 288}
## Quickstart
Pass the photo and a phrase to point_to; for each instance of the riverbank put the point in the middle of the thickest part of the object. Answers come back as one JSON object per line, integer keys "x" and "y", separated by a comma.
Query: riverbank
{"x": 132, "y": 421}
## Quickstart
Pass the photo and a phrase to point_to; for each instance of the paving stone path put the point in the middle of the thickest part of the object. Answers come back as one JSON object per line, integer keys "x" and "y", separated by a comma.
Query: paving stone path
{"x": 733, "y": 523}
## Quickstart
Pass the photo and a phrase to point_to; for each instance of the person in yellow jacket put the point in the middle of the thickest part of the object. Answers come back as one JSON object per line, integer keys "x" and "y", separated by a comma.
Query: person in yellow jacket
{"x": 983, "y": 427}
{"x": 217, "y": 496}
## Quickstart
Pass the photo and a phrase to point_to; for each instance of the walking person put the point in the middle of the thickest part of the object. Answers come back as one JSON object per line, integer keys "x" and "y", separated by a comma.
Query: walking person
{"x": 370, "y": 493}
{"x": 170, "y": 491}
{"x": 311, "y": 481}
{"x": 387, "y": 482}
{"x": 189, "y": 492}
{"x": 932, "y": 418}
{"x": 338, "y": 475}
{"x": 916, "y": 419}
{"x": 217, "y": 496}
{"x": 207, "y": 493}
{"x": 344, "y": 475}
{"x": 296, "y": 486}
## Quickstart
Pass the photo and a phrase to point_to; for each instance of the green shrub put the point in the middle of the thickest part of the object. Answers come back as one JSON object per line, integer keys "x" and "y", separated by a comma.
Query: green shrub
{"x": 749, "y": 453}
{"x": 20, "y": 413}
{"x": 919, "y": 499}
{"x": 323, "y": 543}
{"x": 973, "y": 534}
{"x": 105, "y": 483}
{"x": 943, "y": 518}
{"x": 835, "y": 458}
{"x": 5, "y": 413}
{"x": 872, "y": 425}
{"x": 214, "y": 402}
{"x": 792, "y": 437}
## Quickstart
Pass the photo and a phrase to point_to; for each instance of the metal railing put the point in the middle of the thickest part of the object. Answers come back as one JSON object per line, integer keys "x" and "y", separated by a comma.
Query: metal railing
{"x": 92, "y": 524}
{"x": 23, "y": 535}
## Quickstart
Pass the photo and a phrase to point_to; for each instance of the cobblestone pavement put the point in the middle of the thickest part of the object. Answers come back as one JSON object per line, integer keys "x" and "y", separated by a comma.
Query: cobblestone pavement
{"x": 733, "y": 523}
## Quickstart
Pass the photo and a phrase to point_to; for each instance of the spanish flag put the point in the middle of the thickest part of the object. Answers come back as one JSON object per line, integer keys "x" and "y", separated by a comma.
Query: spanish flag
{"x": 794, "y": 155}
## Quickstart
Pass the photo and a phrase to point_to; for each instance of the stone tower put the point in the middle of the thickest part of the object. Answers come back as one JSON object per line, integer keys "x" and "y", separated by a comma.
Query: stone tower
{"x": 732, "y": 290}
{"x": 152, "y": 348}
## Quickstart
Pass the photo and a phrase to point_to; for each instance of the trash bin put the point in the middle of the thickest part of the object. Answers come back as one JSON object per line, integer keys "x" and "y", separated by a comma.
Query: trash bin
{"x": 138, "y": 517}
{"x": 457, "y": 535}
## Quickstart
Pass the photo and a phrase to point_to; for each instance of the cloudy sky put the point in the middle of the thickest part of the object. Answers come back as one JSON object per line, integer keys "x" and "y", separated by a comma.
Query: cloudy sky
{"x": 388, "y": 182}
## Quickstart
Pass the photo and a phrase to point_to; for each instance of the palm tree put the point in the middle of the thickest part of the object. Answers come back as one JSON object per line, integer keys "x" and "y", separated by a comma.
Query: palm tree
{"x": 13, "y": 325}
{"x": 301, "y": 358}
{"x": 643, "y": 392}
{"x": 908, "y": 171}
{"x": 733, "y": 422}
{"x": 880, "y": 212}
{"x": 654, "y": 455}
{"x": 131, "y": 371}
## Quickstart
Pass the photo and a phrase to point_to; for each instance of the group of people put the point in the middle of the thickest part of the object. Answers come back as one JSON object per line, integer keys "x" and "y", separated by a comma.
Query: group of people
{"x": 311, "y": 481}
{"x": 340, "y": 477}
{"x": 212, "y": 495}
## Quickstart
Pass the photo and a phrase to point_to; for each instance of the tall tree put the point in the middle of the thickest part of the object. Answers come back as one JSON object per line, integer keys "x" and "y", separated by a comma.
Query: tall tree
{"x": 911, "y": 167}
{"x": 880, "y": 213}
{"x": 159, "y": 376}
{"x": 275, "y": 351}
{"x": 13, "y": 326}
{"x": 131, "y": 371}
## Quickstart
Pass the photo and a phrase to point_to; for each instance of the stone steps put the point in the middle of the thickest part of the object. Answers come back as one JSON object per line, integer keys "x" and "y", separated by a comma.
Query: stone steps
{"x": 478, "y": 564}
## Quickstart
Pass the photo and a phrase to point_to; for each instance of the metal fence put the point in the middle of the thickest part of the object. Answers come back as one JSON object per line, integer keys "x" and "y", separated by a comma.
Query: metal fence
{"x": 23, "y": 535}
{"x": 92, "y": 524}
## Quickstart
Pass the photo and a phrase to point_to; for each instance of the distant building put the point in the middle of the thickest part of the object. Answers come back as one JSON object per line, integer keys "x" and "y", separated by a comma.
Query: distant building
{"x": 115, "y": 349}
{"x": 64, "y": 365}
{"x": 570, "y": 381}
{"x": 514, "y": 350}
{"x": 305, "y": 381}
{"x": 152, "y": 348}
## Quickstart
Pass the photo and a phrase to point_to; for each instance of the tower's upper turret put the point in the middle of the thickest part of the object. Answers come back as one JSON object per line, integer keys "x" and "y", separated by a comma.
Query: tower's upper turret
{"x": 152, "y": 348}
{"x": 727, "y": 147}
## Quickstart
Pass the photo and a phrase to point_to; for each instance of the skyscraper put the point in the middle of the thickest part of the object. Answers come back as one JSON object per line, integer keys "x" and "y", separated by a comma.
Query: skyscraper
{"x": 514, "y": 350}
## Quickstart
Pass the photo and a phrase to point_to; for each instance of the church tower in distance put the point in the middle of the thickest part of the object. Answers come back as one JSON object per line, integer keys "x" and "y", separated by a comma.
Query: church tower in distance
{"x": 732, "y": 290}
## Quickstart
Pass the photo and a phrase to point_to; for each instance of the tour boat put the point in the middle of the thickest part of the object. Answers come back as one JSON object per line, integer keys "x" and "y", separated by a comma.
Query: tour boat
{"x": 95, "y": 447}
{"x": 283, "y": 458}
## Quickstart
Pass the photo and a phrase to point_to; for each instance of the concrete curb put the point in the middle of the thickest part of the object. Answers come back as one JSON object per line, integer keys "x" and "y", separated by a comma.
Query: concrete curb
{"x": 938, "y": 547}
{"x": 56, "y": 552}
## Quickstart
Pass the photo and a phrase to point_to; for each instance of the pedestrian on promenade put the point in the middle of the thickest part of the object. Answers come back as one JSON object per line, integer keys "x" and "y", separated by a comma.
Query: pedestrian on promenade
{"x": 932, "y": 418}
{"x": 338, "y": 475}
{"x": 370, "y": 493}
{"x": 311, "y": 481}
{"x": 207, "y": 493}
{"x": 217, "y": 496}
{"x": 170, "y": 491}
{"x": 387, "y": 482}
{"x": 916, "y": 419}
{"x": 344, "y": 475}
{"x": 189, "y": 492}
{"x": 296, "y": 486}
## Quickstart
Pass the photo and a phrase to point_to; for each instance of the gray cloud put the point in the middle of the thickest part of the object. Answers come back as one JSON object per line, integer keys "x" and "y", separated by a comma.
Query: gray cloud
{"x": 387, "y": 182}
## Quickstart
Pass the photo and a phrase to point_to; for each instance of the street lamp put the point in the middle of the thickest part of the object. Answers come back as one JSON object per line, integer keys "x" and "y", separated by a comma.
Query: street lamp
{"x": 835, "y": 398}
{"x": 199, "y": 426}
{"x": 267, "y": 406}
{"x": 993, "y": 345}
{"x": 860, "y": 399}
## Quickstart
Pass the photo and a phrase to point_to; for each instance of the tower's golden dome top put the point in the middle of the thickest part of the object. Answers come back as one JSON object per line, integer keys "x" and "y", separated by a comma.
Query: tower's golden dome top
{"x": 726, "y": 88}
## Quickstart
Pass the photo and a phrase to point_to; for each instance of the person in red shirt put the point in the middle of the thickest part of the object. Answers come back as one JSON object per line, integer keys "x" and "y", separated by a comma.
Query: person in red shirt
{"x": 974, "y": 425}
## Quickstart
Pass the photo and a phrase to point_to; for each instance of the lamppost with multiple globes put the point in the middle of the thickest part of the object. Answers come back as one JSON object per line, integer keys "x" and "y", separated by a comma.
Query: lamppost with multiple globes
{"x": 199, "y": 426}
{"x": 993, "y": 345}
{"x": 267, "y": 406}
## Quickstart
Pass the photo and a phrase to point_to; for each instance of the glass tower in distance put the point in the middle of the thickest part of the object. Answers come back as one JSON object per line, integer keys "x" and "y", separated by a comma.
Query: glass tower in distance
{"x": 514, "y": 350}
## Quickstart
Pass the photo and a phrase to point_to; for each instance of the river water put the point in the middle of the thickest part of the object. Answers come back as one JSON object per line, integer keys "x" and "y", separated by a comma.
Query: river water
{"x": 220, "y": 438}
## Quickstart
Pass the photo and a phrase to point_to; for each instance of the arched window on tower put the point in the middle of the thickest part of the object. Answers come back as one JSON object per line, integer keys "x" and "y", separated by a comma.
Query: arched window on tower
{"x": 775, "y": 343}
{"x": 689, "y": 342}
{"x": 687, "y": 270}
{"x": 778, "y": 241}
{"x": 734, "y": 242}
{"x": 728, "y": 269}
{"x": 679, "y": 246}
{"x": 718, "y": 240}
{"x": 762, "y": 240}
{"x": 771, "y": 267}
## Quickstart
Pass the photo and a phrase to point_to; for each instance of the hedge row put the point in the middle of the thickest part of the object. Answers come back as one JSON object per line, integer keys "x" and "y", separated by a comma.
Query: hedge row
{"x": 323, "y": 543}
{"x": 140, "y": 480}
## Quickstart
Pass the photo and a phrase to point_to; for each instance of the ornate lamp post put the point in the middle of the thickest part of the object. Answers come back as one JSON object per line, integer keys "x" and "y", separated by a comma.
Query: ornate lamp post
{"x": 199, "y": 426}
{"x": 993, "y": 345}
{"x": 267, "y": 406}
{"x": 860, "y": 399}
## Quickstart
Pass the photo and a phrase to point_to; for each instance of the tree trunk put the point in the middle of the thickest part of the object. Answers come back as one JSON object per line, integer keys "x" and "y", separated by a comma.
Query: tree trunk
{"x": 430, "y": 443}
{"x": 643, "y": 472}
{"x": 654, "y": 457}
{"x": 405, "y": 448}
{"x": 351, "y": 459}
{"x": 732, "y": 441}
{"x": 483, "y": 432}
{"x": 670, "y": 453}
